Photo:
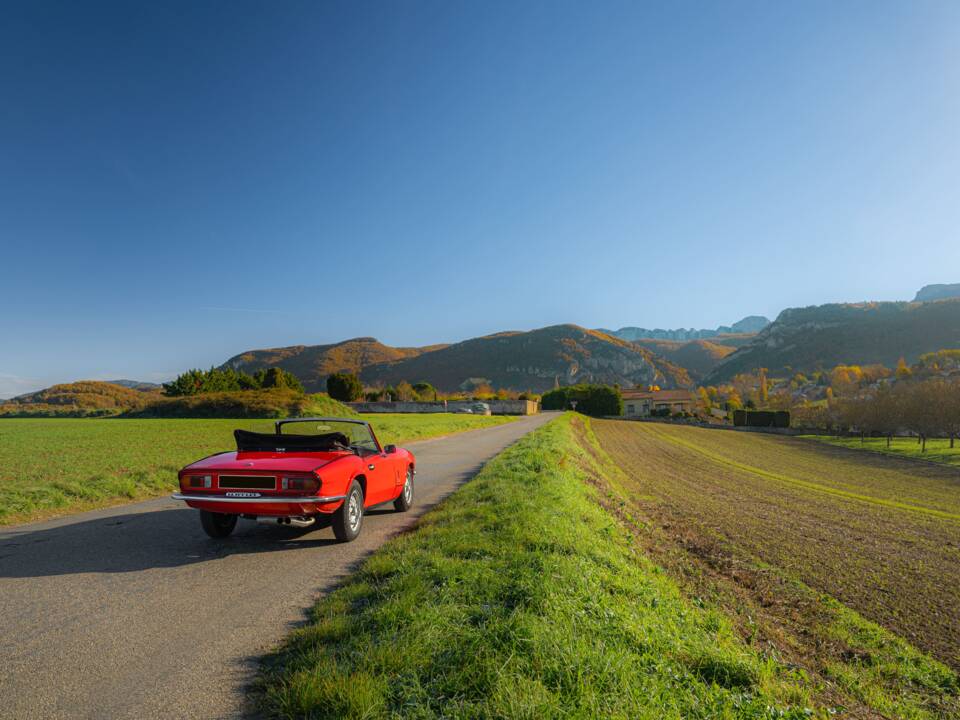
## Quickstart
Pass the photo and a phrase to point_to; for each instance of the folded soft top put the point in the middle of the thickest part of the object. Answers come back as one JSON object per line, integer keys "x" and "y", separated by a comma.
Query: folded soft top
{"x": 271, "y": 442}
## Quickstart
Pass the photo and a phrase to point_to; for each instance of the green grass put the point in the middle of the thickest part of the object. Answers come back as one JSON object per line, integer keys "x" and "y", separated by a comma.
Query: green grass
{"x": 52, "y": 466}
{"x": 938, "y": 450}
{"x": 521, "y": 597}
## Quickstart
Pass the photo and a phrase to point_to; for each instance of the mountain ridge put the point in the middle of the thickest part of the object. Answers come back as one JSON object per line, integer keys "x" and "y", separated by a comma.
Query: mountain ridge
{"x": 932, "y": 293}
{"x": 748, "y": 325}
{"x": 823, "y": 336}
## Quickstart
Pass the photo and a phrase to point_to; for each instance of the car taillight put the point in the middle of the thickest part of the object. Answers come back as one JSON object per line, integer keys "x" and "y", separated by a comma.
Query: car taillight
{"x": 303, "y": 484}
{"x": 198, "y": 481}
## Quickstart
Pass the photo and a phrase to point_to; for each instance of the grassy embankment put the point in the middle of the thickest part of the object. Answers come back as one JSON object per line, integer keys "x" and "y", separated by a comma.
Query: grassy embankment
{"x": 54, "y": 466}
{"x": 522, "y": 597}
{"x": 938, "y": 449}
{"x": 844, "y": 564}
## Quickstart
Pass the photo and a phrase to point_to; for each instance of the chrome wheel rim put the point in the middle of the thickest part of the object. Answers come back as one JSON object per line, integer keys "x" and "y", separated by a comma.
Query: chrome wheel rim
{"x": 408, "y": 490}
{"x": 354, "y": 511}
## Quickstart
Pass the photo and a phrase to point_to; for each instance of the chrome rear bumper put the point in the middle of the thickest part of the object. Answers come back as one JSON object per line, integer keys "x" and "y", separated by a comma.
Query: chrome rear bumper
{"x": 257, "y": 500}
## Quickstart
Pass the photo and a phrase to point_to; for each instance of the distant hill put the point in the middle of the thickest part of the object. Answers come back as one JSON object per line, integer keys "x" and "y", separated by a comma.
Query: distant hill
{"x": 805, "y": 339}
{"x": 534, "y": 360}
{"x": 87, "y": 397}
{"x": 697, "y": 357}
{"x": 137, "y": 385}
{"x": 749, "y": 325}
{"x": 313, "y": 363}
{"x": 929, "y": 293}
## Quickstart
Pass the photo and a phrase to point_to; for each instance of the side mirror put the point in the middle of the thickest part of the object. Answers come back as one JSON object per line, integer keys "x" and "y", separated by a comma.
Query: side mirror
{"x": 390, "y": 449}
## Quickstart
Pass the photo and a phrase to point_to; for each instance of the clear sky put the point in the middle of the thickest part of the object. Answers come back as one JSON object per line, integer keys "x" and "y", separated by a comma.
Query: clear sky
{"x": 180, "y": 182}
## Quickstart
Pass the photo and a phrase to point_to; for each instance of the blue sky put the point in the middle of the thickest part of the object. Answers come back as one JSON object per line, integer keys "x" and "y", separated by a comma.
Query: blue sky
{"x": 180, "y": 182}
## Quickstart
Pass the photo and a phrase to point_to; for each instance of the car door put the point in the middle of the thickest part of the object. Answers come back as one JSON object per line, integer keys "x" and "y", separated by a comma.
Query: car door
{"x": 379, "y": 472}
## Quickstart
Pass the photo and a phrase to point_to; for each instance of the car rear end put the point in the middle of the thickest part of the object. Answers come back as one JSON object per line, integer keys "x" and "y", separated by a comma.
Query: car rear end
{"x": 256, "y": 493}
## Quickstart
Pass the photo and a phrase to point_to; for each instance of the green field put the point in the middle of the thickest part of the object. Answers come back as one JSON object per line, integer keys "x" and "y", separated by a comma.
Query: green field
{"x": 521, "y": 597}
{"x": 938, "y": 449}
{"x": 51, "y": 466}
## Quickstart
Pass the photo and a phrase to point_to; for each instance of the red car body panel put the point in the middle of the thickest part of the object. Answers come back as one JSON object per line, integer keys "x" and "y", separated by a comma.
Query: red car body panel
{"x": 272, "y": 462}
{"x": 381, "y": 474}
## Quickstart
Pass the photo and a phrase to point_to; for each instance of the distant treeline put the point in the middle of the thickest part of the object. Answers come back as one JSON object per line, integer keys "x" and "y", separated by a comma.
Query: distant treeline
{"x": 927, "y": 408}
{"x": 347, "y": 387}
{"x": 195, "y": 382}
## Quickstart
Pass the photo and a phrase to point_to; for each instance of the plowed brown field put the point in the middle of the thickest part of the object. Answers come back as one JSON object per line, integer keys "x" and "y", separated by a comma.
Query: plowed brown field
{"x": 880, "y": 534}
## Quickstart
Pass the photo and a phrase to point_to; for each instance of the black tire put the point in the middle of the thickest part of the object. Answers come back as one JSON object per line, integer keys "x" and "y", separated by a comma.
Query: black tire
{"x": 405, "y": 501}
{"x": 348, "y": 520}
{"x": 217, "y": 525}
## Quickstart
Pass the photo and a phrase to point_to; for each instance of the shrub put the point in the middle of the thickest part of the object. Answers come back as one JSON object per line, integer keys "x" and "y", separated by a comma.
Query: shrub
{"x": 270, "y": 403}
{"x": 761, "y": 418}
{"x": 595, "y": 400}
{"x": 345, "y": 387}
{"x": 194, "y": 382}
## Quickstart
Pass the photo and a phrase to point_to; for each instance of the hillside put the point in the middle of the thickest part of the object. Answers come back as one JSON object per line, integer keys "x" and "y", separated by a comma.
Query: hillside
{"x": 87, "y": 397}
{"x": 804, "y": 339}
{"x": 313, "y": 363}
{"x": 534, "y": 360}
{"x": 697, "y": 357}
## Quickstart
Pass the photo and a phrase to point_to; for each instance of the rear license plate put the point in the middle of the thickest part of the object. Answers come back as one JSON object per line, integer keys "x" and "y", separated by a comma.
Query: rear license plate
{"x": 247, "y": 482}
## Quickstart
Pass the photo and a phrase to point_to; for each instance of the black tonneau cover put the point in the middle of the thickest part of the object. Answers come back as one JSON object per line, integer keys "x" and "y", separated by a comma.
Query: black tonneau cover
{"x": 271, "y": 442}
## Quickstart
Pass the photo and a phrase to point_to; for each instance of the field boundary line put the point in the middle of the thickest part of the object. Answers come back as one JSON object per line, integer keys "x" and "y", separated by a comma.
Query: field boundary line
{"x": 815, "y": 487}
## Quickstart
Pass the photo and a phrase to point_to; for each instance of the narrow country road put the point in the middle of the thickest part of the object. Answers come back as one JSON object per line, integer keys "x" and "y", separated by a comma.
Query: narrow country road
{"x": 132, "y": 612}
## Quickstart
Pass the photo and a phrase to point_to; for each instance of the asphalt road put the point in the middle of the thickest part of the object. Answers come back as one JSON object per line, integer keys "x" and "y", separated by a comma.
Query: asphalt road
{"x": 132, "y": 612}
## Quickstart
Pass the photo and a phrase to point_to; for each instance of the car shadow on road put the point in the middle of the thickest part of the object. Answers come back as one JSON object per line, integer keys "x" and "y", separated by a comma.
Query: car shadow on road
{"x": 140, "y": 541}
{"x": 166, "y": 538}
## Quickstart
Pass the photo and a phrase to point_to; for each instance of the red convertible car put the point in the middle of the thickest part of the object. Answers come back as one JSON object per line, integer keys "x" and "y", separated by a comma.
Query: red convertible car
{"x": 310, "y": 471}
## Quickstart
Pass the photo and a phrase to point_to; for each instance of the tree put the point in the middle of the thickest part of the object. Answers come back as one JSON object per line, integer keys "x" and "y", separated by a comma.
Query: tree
{"x": 277, "y": 378}
{"x": 345, "y": 387}
{"x": 404, "y": 391}
{"x": 705, "y": 400}
{"x": 845, "y": 379}
{"x": 922, "y": 408}
{"x": 424, "y": 391}
{"x": 903, "y": 370}
{"x": 188, "y": 383}
{"x": 951, "y": 411}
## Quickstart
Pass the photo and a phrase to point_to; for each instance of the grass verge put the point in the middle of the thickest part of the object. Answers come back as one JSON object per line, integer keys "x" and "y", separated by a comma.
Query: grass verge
{"x": 53, "y": 466}
{"x": 521, "y": 597}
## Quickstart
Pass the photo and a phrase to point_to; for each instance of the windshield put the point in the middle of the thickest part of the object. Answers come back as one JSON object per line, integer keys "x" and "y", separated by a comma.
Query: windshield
{"x": 358, "y": 434}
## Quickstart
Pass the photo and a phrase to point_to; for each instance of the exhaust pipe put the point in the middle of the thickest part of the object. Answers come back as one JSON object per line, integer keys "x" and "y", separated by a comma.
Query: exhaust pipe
{"x": 301, "y": 522}
{"x": 296, "y": 522}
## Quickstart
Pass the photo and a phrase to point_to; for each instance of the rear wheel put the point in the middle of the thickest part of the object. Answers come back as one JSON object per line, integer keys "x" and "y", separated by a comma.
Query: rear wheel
{"x": 217, "y": 525}
{"x": 349, "y": 518}
{"x": 405, "y": 501}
